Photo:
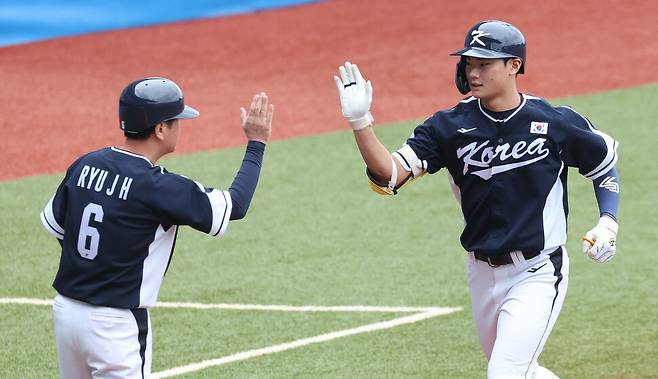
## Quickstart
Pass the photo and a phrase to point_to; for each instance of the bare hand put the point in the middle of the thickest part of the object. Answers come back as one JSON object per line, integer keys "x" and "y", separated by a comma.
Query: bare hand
{"x": 257, "y": 124}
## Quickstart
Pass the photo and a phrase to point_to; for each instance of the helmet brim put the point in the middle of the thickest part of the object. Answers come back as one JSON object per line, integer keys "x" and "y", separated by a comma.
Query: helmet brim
{"x": 188, "y": 112}
{"x": 477, "y": 52}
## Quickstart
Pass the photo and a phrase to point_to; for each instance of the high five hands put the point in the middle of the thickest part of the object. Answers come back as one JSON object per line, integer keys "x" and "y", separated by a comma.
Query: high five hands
{"x": 355, "y": 96}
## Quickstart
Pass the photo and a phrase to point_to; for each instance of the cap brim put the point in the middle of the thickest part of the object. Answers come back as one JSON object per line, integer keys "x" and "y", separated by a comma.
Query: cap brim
{"x": 477, "y": 52}
{"x": 188, "y": 112}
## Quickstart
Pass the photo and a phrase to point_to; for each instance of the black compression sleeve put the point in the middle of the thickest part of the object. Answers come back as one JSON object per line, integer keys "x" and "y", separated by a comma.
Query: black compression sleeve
{"x": 244, "y": 185}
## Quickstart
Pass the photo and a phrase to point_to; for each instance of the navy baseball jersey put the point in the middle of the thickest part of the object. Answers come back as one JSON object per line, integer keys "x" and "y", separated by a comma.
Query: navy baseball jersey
{"x": 509, "y": 169}
{"x": 116, "y": 216}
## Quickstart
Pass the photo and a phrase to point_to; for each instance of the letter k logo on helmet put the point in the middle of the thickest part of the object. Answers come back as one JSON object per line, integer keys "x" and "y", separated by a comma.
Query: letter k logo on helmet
{"x": 476, "y": 34}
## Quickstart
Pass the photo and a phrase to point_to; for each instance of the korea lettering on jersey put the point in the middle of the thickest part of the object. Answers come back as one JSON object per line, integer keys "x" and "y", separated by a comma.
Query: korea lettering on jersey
{"x": 510, "y": 174}
{"x": 117, "y": 216}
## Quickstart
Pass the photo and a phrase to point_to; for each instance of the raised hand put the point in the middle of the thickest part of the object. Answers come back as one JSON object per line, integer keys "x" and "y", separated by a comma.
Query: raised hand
{"x": 355, "y": 96}
{"x": 257, "y": 123}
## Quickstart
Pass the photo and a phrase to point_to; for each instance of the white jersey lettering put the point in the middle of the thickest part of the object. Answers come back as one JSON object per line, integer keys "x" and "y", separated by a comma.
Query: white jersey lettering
{"x": 83, "y": 175}
{"x": 110, "y": 190}
{"x": 534, "y": 152}
{"x": 100, "y": 181}
{"x": 125, "y": 187}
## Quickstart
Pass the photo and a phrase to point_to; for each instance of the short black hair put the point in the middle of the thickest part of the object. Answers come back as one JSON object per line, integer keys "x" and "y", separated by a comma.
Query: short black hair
{"x": 144, "y": 134}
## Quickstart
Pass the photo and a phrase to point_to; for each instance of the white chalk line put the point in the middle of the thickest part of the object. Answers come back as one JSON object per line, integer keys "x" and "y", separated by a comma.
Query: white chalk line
{"x": 420, "y": 314}
{"x": 253, "y": 307}
{"x": 180, "y": 370}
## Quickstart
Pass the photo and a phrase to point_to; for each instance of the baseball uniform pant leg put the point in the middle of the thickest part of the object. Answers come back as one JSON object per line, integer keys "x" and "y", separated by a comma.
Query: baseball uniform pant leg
{"x": 527, "y": 316}
{"x": 112, "y": 342}
{"x": 485, "y": 300}
{"x": 72, "y": 364}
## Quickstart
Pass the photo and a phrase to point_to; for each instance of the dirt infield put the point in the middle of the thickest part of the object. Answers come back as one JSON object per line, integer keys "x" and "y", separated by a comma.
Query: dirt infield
{"x": 59, "y": 97}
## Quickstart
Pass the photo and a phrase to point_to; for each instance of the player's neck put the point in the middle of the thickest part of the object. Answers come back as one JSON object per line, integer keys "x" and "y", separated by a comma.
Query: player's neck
{"x": 502, "y": 102}
{"x": 145, "y": 148}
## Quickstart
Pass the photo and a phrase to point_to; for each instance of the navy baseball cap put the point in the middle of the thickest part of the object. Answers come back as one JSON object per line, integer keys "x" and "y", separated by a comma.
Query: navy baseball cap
{"x": 147, "y": 102}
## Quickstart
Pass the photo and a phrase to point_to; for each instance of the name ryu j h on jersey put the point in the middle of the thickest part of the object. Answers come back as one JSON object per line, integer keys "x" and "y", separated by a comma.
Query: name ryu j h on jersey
{"x": 92, "y": 177}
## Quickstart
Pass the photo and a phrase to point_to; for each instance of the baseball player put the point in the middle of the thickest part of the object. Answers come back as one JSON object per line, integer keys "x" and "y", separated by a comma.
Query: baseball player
{"x": 116, "y": 216}
{"x": 507, "y": 155}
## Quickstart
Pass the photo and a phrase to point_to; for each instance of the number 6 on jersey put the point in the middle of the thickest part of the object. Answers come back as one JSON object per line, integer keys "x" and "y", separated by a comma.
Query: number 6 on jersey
{"x": 88, "y": 235}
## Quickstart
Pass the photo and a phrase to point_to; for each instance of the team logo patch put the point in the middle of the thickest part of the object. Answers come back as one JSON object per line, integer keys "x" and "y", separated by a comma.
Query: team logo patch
{"x": 537, "y": 127}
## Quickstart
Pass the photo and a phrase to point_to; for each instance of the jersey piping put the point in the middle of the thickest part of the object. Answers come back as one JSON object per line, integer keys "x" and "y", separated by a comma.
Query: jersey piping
{"x": 506, "y": 118}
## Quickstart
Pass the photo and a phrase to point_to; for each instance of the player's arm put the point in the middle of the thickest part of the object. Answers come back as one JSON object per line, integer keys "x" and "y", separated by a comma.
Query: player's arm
{"x": 385, "y": 173}
{"x": 52, "y": 215}
{"x": 182, "y": 201}
{"x": 594, "y": 153}
{"x": 257, "y": 126}
{"x": 606, "y": 189}
{"x": 600, "y": 242}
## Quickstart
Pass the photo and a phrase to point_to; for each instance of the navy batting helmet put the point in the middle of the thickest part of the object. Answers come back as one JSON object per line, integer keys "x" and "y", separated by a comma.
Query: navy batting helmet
{"x": 490, "y": 39}
{"x": 147, "y": 102}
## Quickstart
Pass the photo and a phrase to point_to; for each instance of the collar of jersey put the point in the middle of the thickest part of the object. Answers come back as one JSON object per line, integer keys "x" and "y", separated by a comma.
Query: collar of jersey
{"x": 132, "y": 155}
{"x": 508, "y": 117}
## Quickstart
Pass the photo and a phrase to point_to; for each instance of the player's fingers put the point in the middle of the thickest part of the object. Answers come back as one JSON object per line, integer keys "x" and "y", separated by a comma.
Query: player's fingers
{"x": 349, "y": 68}
{"x": 270, "y": 114}
{"x": 243, "y": 116}
{"x": 601, "y": 249}
{"x": 263, "y": 104}
{"x": 588, "y": 243}
{"x": 262, "y": 108}
{"x": 605, "y": 256}
{"x": 369, "y": 90}
{"x": 259, "y": 103}
{"x": 356, "y": 73}
{"x": 254, "y": 102}
{"x": 339, "y": 85}
{"x": 343, "y": 75}
{"x": 609, "y": 258}
{"x": 593, "y": 251}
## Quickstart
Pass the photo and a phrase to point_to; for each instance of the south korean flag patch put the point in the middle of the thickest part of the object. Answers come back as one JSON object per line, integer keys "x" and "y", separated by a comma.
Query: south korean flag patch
{"x": 537, "y": 127}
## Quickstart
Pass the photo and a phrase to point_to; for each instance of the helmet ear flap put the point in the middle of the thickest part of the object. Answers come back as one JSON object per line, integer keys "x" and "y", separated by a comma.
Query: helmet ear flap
{"x": 460, "y": 77}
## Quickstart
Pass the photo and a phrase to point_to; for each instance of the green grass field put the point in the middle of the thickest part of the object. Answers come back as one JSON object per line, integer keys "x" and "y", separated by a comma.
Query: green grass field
{"x": 317, "y": 235}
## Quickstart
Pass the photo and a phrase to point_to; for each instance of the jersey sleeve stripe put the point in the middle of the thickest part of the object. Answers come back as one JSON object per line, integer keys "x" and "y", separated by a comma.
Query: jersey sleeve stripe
{"x": 49, "y": 221}
{"x": 611, "y": 157}
{"x": 602, "y": 169}
{"x": 220, "y": 202}
{"x": 50, "y": 228}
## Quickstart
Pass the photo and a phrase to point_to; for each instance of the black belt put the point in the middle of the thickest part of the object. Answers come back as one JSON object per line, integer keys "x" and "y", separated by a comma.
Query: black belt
{"x": 505, "y": 258}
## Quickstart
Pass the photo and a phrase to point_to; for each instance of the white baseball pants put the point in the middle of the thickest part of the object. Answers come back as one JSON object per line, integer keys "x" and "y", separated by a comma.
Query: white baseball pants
{"x": 515, "y": 307}
{"x": 101, "y": 342}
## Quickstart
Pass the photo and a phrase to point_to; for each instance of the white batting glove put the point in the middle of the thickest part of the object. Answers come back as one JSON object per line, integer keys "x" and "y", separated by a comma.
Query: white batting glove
{"x": 355, "y": 96}
{"x": 600, "y": 243}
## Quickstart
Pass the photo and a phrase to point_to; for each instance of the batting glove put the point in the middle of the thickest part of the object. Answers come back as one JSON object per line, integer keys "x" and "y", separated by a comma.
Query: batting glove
{"x": 355, "y": 96}
{"x": 600, "y": 243}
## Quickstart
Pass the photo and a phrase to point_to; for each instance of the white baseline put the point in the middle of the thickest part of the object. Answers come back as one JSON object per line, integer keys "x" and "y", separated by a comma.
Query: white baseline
{"x": 254, "y": 307}
{"x": 303, "y": 342}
